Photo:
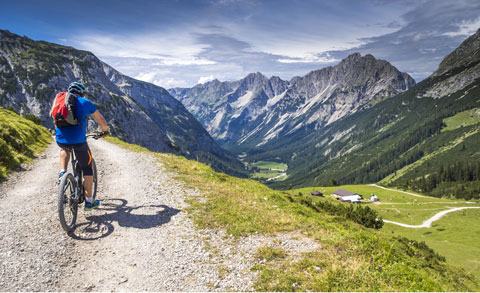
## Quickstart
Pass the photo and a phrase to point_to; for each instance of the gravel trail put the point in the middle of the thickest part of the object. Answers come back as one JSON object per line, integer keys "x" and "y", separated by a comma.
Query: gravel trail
{"x": 428, "y": 223}
{"x": 140, "y": 239}
{"x": 410, "y": 193}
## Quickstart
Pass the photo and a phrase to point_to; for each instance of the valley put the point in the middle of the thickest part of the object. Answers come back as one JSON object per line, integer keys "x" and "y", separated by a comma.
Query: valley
{"x": 268, "y": 171}
{"x": 455, "y": 235}
{"x": 360, "y": 121}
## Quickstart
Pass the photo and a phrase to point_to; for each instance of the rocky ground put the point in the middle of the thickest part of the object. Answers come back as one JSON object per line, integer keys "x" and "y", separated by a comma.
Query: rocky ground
{"x": 139, "y": 239}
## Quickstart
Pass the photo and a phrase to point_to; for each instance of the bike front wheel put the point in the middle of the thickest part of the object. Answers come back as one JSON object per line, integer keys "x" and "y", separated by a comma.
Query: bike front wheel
{"x": 67, "y": 206}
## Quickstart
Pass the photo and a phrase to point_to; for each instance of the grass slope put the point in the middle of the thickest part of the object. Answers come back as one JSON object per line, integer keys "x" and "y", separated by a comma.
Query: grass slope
{"x": 462, "y": 119}
{"x": 447, "y": 236}
{"x": 20, "y": 140}
{"x": 350, "y": 258}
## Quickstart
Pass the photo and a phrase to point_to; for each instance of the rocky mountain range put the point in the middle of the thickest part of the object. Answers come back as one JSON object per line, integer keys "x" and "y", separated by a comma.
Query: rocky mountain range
{"x": 255, "y": 110}
{"x": 406, "y": 140}
{"x": 31, "y": 72}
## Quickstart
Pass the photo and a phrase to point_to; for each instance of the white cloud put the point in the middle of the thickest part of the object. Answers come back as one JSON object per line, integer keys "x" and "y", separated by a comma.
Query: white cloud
{"x": 148, "y": 77}
{"x": 324, "y": 58}
{"x": 166, "y": 49}
{"x": 156, "y": 79}
{"x": 170, "y": 82}
{"x": 465, "y": 28}
{"x": 409, "y": 35}
{"x": 205, "y": 79}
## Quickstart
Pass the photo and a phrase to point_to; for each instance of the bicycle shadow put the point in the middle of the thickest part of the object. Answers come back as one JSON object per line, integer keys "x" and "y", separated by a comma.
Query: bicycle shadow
{"x": 116, "y": 210}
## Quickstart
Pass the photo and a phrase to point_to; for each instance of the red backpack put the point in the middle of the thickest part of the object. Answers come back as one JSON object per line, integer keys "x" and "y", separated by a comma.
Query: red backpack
{"x": 63, "y": 110}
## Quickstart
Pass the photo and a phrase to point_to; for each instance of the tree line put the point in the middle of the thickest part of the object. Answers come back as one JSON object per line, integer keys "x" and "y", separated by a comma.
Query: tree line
{"x": 460, "y": 180}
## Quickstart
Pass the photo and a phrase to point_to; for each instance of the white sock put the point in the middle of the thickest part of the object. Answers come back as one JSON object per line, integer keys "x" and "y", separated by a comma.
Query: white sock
{"x": 89, "y": 199}
{"x": 63, "y": 170}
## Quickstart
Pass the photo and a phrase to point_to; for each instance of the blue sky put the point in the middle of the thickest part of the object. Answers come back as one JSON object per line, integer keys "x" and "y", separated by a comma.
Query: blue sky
{"x": 181, "y": 43}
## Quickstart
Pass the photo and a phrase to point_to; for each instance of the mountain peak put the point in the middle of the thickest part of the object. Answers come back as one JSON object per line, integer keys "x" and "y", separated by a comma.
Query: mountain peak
{"x": 254, "y": 80}
{"x": 256, "y": 75}
{"x": 353, "y": 57}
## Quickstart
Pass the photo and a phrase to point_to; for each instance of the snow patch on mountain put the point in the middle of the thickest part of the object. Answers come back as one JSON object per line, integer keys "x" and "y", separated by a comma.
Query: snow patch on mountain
{"x": 271, "y": 102}
{"x": 243, "y": 100}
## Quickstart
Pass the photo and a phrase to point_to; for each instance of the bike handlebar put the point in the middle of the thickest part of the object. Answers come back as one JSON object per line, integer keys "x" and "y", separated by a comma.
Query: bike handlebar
{"x": 97, "y": 135}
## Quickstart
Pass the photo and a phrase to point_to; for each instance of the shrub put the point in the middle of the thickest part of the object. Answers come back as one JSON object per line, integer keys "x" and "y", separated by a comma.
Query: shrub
{"x": 362, "y": 215}
{"x": 33, "y": 118}
{"x": 10, "y": 108}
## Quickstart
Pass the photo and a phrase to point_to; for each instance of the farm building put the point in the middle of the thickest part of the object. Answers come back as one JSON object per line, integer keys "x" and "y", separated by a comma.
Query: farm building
{"x": 316, "y": 193}
{"x": 347, "y": 196}
{"x": 374, "y": 198}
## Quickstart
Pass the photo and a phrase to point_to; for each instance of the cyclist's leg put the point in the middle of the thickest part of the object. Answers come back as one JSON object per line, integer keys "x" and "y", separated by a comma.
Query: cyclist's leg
{"x": 84, "y": 157}
{"x": 64, "y": 157}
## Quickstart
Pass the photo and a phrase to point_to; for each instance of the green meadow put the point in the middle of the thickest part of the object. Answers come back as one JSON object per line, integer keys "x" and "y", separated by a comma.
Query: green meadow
{"x": 455, "y": 236}
{"x": 268, "y": 170}
{"x": 462, "y": 119}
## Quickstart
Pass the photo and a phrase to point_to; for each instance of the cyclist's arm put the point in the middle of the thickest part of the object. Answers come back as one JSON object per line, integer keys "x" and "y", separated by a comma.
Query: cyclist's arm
{"x": 98, "y": 117}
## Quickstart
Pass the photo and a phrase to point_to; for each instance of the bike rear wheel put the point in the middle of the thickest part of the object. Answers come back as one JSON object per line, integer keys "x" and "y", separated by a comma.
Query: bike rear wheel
{"x": 67, "y": 206}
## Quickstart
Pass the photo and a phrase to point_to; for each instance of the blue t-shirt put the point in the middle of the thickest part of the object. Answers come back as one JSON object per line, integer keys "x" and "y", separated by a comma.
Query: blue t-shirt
{"x": 77, "y": 133}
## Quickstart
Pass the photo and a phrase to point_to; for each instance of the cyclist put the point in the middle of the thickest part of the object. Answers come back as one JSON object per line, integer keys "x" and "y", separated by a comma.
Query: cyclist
{"x": 75, "y": 137}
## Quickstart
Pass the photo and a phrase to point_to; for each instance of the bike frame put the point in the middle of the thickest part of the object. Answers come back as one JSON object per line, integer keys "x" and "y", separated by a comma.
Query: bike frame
{"x": 77, "y": 175}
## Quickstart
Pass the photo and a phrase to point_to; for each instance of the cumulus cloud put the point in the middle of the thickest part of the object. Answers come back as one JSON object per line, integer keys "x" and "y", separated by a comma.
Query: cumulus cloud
{"x": 412, "y": 35}
{"x": 465, "y": 28}
{"x": 313, "y": 58}
{"x": 205, "y": 79}
{"x": 172, "y": 49}
{"x": 430, "y": 32}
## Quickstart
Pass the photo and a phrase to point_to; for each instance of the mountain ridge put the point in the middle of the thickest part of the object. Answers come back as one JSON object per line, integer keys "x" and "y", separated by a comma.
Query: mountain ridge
{"x": 31, "y": 72}
{"x": 256, "y": 109}
{"x": 403, "y": 141}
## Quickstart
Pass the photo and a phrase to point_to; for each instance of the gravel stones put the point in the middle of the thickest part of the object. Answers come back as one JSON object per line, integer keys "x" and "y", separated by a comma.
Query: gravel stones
{"x": 140, "y": 239}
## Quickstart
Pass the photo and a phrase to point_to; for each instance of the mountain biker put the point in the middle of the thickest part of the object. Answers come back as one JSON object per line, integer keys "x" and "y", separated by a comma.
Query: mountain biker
{"x": 75, "y": 137}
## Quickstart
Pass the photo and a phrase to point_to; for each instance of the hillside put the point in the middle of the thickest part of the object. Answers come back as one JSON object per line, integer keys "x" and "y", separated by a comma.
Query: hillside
{"x": 446, "y": 235}
{"x": 251, "y": 112}
{"x": 31, "y": 72}
{"x": 21, "y": 140}
{"x": 399, "y": 141}
{"x": 347, "y": 256}
{"x": 240, "y": 234}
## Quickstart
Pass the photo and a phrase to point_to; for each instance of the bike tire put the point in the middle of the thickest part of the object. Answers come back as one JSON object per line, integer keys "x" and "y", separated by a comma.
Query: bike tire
{"x": 67, "y": 206}
{"x": 95, "y": 182}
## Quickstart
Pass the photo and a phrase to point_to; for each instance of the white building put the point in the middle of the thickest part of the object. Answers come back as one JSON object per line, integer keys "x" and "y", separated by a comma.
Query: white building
{"x": 347, "y": 196}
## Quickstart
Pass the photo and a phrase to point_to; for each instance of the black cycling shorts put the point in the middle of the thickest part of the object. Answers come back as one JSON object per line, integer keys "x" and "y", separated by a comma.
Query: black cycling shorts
{"x": 83, "y": 154}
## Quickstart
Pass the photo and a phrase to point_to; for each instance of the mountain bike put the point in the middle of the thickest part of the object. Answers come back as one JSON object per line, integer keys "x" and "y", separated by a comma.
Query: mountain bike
{"x": 71, "y": 192}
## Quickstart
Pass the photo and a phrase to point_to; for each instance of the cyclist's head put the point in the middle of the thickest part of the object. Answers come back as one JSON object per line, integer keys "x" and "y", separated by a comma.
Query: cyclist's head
{"x": 77, "y": 88}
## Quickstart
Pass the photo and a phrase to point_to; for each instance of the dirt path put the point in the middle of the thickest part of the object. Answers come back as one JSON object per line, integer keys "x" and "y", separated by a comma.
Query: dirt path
{"x": 140, "y": 239}
{"x": 436, "y": 217}
{"x": 414, "y": 194}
